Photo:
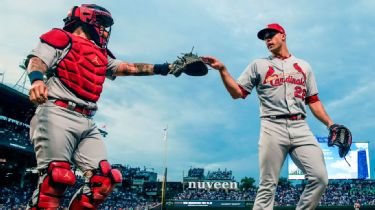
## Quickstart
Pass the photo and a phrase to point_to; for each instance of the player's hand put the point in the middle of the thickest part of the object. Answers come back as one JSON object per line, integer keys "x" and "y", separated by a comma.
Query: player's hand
{"x": 213, "y": 62}
{"x": 38, "y": 92}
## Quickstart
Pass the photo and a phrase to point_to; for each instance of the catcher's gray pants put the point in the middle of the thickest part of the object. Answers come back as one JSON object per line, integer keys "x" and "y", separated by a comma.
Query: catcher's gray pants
{"x": 278, "y": 138}
{"x": 64, "y": 135}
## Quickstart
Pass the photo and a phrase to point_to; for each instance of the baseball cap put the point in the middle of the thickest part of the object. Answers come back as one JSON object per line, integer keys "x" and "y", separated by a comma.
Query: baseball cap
{"x": 270, "y": 27}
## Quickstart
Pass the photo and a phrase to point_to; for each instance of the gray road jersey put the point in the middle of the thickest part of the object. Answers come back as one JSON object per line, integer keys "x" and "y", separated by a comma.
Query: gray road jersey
{"x": 282, "y": 84}
{"x": 51, "y": 57}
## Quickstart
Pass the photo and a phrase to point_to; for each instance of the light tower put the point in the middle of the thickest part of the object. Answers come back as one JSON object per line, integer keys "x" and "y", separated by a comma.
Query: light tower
{"x": 164, "y": 183}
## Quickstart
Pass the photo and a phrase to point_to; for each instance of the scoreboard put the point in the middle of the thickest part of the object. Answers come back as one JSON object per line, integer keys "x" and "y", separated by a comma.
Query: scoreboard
{"x": 358, "y": 159}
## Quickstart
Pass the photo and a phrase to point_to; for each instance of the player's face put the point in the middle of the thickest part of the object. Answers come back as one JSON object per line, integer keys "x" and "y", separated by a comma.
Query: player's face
{"x": 274, "y": 41}
{"x": 104, "y": 32}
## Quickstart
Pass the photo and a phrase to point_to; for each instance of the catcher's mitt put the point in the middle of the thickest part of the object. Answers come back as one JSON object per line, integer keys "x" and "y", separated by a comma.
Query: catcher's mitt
{"x": 190, "y": 64}
{"x": 340, "y": 136}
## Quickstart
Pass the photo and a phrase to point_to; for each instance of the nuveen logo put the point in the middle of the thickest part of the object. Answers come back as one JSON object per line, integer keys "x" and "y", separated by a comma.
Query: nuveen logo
{"x": 213, "y": 185}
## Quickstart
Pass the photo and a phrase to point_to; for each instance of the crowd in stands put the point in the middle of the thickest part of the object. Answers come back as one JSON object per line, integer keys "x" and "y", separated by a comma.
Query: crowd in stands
{"x": 14, "y": 197}
{"x": 202, "y": 194}
{"x": 15, "y": 132}
{"x": 127, "y": 171}
{"x": 129, "y": 174}
{"x": 348, "y": 192}
{"x": 337, "y": 193}
{"x": 219, "y": 175}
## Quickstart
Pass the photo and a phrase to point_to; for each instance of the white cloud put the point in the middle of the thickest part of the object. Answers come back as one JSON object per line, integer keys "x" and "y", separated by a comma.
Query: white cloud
{"x": 355, "y": 105}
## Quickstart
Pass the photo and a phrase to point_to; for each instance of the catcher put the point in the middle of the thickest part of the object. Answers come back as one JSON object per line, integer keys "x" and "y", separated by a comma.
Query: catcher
{"x": 67, "y": 70}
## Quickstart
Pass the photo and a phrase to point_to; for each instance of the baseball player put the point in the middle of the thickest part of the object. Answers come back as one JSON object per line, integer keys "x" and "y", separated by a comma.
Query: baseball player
{"x": 67, "y": 70}
{"x": 284, "y": 85}
{"x": 357, "y": 206}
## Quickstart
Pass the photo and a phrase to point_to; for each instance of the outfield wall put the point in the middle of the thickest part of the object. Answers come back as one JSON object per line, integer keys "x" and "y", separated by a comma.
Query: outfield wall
{"x": 275, "y": 208}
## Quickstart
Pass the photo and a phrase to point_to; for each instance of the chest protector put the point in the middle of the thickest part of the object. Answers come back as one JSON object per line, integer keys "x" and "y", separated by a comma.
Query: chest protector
{"x": 83, "y": 68}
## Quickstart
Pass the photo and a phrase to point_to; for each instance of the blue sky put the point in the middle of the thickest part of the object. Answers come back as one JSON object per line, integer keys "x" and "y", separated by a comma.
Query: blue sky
{"x": 206, "y": 127}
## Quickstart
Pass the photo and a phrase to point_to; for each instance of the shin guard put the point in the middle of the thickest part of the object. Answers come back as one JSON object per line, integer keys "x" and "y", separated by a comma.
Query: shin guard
{"x": 52, "y": 186}
{"x": 99, "y": 184}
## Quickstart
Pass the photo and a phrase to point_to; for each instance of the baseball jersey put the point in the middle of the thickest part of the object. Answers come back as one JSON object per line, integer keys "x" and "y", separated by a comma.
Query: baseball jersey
{"x": 56, "y": 89}
{"x": 281, "y": 84}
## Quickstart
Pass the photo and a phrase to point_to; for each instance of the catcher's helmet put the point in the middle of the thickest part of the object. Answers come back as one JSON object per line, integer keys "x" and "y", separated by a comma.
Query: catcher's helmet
{"x": 95, "y": 17}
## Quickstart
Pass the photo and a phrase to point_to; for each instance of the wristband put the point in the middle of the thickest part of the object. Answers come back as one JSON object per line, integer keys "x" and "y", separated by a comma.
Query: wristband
{"x": 162, "y": 69}
{"x": 35, "y": 75}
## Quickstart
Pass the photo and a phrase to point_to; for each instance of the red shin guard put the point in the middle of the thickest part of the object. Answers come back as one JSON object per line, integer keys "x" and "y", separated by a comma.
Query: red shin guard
{"x": 101, "y": 184}
{"x": 51, "y": 190}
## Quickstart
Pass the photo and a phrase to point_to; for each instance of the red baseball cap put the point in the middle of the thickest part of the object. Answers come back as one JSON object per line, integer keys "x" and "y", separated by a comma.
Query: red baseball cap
{"x": 270, "y": 27}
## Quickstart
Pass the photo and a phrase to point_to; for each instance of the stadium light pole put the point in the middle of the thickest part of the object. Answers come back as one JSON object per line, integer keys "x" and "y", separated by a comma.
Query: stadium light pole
{"x": 2, "y": 74}
{"x": 164, "y": 183}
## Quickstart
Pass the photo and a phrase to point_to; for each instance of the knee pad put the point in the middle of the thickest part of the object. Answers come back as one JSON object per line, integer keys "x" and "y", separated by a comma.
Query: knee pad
{"x": 98, "y": 186}
{"x": 55, "y": 181}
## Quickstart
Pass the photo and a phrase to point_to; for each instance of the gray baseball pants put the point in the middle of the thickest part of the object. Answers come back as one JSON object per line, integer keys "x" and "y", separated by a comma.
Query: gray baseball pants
{"x": 64, "y": 135}
{"x": 278, "y": 138}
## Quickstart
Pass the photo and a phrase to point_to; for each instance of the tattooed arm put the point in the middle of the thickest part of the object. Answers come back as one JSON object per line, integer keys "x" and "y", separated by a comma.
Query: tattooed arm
{"x": 141, "y": 69}
{"x": 38, "y": 92}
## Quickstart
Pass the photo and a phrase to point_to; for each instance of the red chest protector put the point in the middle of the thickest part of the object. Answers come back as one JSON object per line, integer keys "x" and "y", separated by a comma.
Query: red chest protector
{"x": 83, "y": 68}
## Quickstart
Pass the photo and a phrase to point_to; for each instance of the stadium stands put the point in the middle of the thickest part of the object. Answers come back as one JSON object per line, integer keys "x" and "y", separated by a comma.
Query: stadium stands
{"x": 338, "y": 193}
{"x": 198, "y": 174}
{"x": 15, "y": 132}
{"x": 16, "y": 150}
{"x": 220, "y": 175}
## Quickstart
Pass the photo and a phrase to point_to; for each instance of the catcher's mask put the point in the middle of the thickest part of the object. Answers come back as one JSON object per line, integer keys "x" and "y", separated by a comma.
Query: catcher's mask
{"x": 96, "y": 22}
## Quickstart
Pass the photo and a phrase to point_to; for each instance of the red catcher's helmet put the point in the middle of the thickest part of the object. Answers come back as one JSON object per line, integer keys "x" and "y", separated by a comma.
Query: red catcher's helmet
{"x": 96, "y": 17}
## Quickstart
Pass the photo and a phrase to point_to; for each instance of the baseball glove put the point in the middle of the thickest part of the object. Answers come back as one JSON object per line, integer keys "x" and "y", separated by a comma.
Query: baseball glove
{"x": 190, "y": 64}
{"x": 340, "y": 136}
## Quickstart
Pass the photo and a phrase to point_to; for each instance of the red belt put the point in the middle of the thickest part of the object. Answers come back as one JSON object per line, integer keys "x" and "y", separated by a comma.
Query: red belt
{"x": 74, "y": 107}
{"x": 287, "y": 116}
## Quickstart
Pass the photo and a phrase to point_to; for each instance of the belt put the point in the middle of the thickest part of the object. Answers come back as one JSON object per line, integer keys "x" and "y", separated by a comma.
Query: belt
{"x": 74, "y": 107}
{"x": 287, "y": 116}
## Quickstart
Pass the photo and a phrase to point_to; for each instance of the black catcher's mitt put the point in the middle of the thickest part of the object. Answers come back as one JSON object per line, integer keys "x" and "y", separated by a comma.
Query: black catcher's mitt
{"x": 340, "y": 136}
{"x": 190, "y": 64}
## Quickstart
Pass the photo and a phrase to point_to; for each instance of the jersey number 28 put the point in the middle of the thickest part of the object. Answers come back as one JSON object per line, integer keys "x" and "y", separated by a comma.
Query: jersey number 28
{"x": 300, "y": 92}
